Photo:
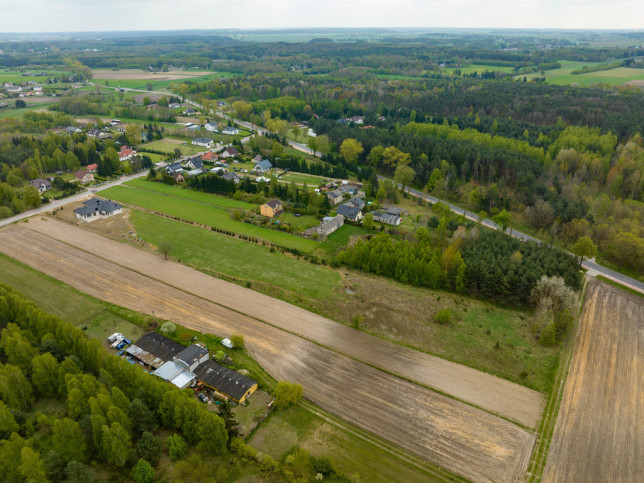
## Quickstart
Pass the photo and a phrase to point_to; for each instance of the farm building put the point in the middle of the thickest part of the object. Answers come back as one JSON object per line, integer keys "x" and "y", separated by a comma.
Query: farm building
{"x": 179, "y": 371}
{"x": 272, "y": 209}
{"x": 225, "y": 381}
{"x": 205, "y": 142}
{"x": 154, "y": 350}
{"x": 331, "y": 225}
{"x": 386, "y": 218}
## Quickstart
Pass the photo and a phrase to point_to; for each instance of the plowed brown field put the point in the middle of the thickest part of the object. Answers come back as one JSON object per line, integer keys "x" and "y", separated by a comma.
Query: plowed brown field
{"x": 451, "y": 434}
{"x": 599, "y": 434}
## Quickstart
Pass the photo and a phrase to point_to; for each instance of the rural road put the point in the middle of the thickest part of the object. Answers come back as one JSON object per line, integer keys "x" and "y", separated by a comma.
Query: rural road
{"x": 346, "y": 372}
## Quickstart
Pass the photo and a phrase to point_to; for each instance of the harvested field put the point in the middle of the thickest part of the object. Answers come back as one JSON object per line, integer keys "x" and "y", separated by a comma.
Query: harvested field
{"x": 451, "y": 434}
{"x": 599, "y": 435}
{"x": 135, "y": 74}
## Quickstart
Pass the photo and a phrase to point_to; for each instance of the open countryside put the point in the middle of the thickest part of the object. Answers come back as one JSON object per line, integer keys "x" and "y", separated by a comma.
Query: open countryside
{"x": 496, "y": 448}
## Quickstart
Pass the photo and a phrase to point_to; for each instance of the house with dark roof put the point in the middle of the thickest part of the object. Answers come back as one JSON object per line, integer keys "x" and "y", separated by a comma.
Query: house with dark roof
{"x": 175, "y": 167}
{"x": 386, "y": 218}
{"x": 41, "y": 185}
{"x": 272, "y": 209}
{"x": 224, "y": 381}
{"x": 95, "y": 208}
{"x": 72, "y": 129}
{"x": 153, "y": 349}
{"x": 330, "y": 226}
{"x": 195, "y": 163}
{"x": 205, "y": 142}
{"x": 263, "y": 166}
{"x": 179, "y": 371}
{"x": 230, "y": 130}
{"x": 230, "y": 153}
{"x": 335, "y": 197}
{"x": 351, "y": 210}
{"x": 394, "y": 210}
{"x": 231, "y": 176}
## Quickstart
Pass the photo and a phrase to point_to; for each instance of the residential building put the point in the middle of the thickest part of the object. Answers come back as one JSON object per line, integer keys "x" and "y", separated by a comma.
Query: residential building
{"x": 96, "y": 208}
{"x": 92, "y": 168}
{"x": 126, "y": 153}
{"x": 209, "y": 156}
{"x": 211, "y": 126}
{"x": 93, "y": 133}
{"x": 230, "y": 153}
{"x": 386, "y": 218}
{"x": 195, "y": 163}
{"x": 175, "y": 167}
{"x": 272, "y": 209}
{"x": 263, "y": 166}
{"x": 83, "y": 176}
{"x": 227, "y": 382}
{"x": 72, "y": 129}
{"x": 41, "y": 185}
{"x": 174, "y": 105}
{"x": 394, "y": 210}
{"x": 230, "y": 130}
{"x": 351, "y": 210}
{"x": 189, "y": 112}
{"x": 230, "y": 176}
{"x": 329, "y": 226}
{"x": 335, "y": 197}
{"x": 205, "y": 142}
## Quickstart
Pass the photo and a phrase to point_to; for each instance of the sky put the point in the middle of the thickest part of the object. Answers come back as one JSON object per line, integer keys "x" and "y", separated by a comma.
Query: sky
{"x": 122, "y": 15}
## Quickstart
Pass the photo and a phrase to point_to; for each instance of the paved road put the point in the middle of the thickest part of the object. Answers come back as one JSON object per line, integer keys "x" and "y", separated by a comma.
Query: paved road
{"x": 70, "y": 199}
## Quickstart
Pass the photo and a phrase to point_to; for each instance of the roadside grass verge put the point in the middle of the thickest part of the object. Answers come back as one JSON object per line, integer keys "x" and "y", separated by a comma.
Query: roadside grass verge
{"x": 209, "y": 215}
{"x": 619, "y": 286}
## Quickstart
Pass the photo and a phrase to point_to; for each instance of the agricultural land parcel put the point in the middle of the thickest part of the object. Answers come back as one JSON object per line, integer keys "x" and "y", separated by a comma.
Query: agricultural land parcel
{"x": 139, "y": 79}
{"x": 454, "y": 435}
{"x": 391, "y": 310}
{"x": 375, "y": 464}
{"x": 599, "y": 434}
{"x": 563, "y": 76}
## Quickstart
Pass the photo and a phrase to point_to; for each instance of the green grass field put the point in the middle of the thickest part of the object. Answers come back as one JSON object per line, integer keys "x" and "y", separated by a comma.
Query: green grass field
{"x": 247, "y": 261}
{"x": 169, "y": 147}
{"x": 468, "y": 69}
{"x": 563, "y": 76}
{"x": 161, "y": 85}
{"x": 310, "y": 180}
{"x": 176, "y": 191}
{"x": 204, "y": 214}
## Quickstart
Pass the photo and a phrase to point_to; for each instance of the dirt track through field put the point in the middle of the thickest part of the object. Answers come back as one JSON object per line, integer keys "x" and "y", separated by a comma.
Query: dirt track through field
{"x": 599, "y": 434}
{"x": 489, "y": 392}
{"x": 454, "y": 435}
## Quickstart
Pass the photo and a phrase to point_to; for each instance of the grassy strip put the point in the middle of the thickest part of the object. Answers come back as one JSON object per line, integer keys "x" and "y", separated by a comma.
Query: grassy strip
{"x": 547, "y": 426}
{"x": 620, "y": 286}
{"x": 186, "y": 209}
{"x": 178, "y": 192}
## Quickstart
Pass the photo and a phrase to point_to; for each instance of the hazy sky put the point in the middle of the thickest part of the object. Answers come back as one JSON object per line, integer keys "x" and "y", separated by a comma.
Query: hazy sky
{"x": 91, "y": 15}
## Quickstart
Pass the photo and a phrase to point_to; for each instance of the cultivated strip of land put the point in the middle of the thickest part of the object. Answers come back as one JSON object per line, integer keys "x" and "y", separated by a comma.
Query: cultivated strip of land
{"x": 599, "y": 434}
{"x": 449, "y": 433}
{"x": 491, "y": 393}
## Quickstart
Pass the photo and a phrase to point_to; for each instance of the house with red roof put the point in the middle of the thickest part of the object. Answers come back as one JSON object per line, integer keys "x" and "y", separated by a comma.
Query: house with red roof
{"x": 209, "y": 156}
{"x": 126, "y": 153}
{"x": 92, "y": 168}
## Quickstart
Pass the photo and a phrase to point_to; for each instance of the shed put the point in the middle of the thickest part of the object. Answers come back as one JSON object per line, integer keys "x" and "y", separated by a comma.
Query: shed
{"x": 226, "y": 381}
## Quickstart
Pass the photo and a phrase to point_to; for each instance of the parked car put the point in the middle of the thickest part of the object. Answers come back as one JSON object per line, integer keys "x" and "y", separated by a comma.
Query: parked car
{"x": 120, "y": 353}
{"x": 202, "y": 397}
{"x": 121, "y": 345}
{"x": 127, "y": 341}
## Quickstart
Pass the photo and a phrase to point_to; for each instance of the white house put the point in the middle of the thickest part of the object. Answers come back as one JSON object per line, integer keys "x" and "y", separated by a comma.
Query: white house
{"x": 233, "y": 131}
{"x": 211, "y": 126}
{"x": 205, "y": 142}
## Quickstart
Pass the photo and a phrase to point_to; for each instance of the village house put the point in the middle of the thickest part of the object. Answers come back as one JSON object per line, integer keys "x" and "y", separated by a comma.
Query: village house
{"x": 92, "y": 168}
{"x": 195, "y": 163}
{"x": 83, "y": 176}
{"x": 209, "y": 156}
{"x": 230, "y": 153}
{"x": 175, "y": 167}
{"x": 72, "y": 129}
{"x": 93, "y": 133}
{"x": 205, "y": 142}
{"x": 351, "y": 210}
{"x": 211, "y": 126}
{"x": 386, "y": 218}
{"x": 189, "y": 112}
{"x": 126, "y": 153}
{"x": 335, "y": 197}
{"x": 263, "y": 166}
{"x": 272, "y": 209}
{"x": 230, "y": 130}
{"x": 41, "y": 185}
{"x": 96, "y": 208}
{"x": 230, "y": 176}
{"x": 174, "y": 105}
{"x": 330, "y": 225}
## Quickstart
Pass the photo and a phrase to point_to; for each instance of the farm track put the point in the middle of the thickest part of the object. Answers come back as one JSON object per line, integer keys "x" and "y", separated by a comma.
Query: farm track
{"x": 456, "y": 436}
{"x": 599, "y": 434}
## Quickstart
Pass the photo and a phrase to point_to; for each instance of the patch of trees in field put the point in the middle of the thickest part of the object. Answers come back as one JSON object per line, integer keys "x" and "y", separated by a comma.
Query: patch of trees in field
{"x": 480, "y": 262}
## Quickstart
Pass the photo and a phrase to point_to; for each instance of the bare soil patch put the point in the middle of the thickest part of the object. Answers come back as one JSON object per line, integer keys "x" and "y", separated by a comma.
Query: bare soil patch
{"x": 135, "y": 74}
{"x": 599, "y": 433}
{"x": 451, "y": 434}
{"x": 635, "y": 83}
{"x": 492, "y": 393}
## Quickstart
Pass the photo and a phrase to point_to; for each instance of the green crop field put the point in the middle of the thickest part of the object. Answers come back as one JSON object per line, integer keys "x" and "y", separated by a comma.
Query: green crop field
{"x": 563, "y": 76}
{"x": 176, "y": 191}
{"x": 205, "y": 214}
{"x": 247, "y": 261}
{"x": 468, "y": 69}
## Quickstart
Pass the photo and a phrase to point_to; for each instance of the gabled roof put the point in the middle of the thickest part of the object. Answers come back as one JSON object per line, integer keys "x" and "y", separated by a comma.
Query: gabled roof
{"x": 347, "y": 211}
{"x": 81, "y": 174}
{"x": 232, "y": 151}
{"x": 97, "y": 205}
{"x": 335, "y": 194}
{"x": 394, "y": 210}
{"x": 38, "y": 182}
{"x": 229, "y": 382}
{"x": 202, "y": 140}
{"x": 196, "y": 162}
{"x": 357, "y": 202}
{"x": 264, "y": 164}
{"x": 191, "y": 354}
{"x": 159, "y": 346}
{"x": 274, "y": 204}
